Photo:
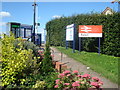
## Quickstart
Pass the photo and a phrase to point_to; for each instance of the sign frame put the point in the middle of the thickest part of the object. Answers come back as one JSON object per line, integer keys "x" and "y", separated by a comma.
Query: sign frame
{"x": 70, "y": 32}
{"x": 70, "y": 35}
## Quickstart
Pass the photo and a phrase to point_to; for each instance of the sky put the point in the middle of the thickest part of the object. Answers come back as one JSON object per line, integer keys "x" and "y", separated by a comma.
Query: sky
{"x": 56, "y": 0}
{"x": 22, "y": 12}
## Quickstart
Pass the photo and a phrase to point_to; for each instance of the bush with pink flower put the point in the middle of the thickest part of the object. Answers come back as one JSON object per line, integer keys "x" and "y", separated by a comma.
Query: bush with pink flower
{"x": 73, "y": 80}
{"x": 41, "y": 55}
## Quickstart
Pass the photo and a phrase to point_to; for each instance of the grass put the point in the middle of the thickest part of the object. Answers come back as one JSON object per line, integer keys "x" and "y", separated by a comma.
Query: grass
{"x": 105, "y": 65}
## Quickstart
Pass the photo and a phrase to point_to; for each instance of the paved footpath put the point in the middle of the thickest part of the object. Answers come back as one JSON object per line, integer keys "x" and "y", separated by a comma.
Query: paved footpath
{"x": 75, "y": 65}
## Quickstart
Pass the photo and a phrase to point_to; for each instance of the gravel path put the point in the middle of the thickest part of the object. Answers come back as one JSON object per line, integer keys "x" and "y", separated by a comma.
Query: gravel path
{"x": 75, "y": 65}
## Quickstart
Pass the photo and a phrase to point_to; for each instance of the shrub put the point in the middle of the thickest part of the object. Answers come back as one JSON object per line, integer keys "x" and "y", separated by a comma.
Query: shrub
{"x": 27, "y": 45}
{"x": 39, "y": 81}
{"x": 49, "y": 79}
{"x": 39, "y": 84}
{"x": 14, "y": 60}
{"x": 109, "y": 42}
{"x": 46, "y": 64}
{"x": 41, "y": 55}
{"x": 73, "y": 80}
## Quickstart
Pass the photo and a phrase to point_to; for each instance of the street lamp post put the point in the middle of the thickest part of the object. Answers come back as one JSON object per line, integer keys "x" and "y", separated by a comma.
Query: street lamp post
{"x": 34, "y": 22}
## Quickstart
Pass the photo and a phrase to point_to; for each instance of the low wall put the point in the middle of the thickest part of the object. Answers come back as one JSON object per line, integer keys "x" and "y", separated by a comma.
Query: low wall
{"x": 59, "y": 66}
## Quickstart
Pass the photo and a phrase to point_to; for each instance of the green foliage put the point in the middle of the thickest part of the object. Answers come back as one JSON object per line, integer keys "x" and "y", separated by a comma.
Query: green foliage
{"x": 27, "y": 82}
{"x": 56, "y": 30}
{"x": 46, "y": 65}
{"x": 47, "y": 61}
{"x": 39, "y": 81}
{"x": 39, "y": 84}
{"x": 19, "y": 66}
{"x": 49, "y": 79}
{"x": 14, "y": 60}
{"x": 27, "y": 45}
{"x": 56, "y": 27}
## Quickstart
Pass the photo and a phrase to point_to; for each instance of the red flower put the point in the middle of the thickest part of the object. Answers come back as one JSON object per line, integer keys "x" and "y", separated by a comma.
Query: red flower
{"x": 79, "y": 76}
{"x": 77, "y": 81}
{"x": 57, "y": 81}
{"x": 100, "y": 83}
{"x": 75, "y": 84}
{"x": 95, "y": 78}
{"x": 86, "y": 76}
{"x": 75, "y": 72}
{"x": 69, "y": 75}
{"x": 61, "y": 75}
{"x": 95, "y": 84}
{"x": 67, "y": 84}
{"x": 66, "y": 72}
{"x": 56, "y": 86}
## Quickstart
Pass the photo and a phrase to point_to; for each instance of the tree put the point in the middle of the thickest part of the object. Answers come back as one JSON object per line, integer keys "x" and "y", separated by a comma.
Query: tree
{"x": 116, "y": 1}
{"x": 46, "y": 65}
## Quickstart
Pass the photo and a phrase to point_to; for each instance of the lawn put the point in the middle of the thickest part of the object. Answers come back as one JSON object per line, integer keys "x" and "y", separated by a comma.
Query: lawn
{"x": 105, "y": 65}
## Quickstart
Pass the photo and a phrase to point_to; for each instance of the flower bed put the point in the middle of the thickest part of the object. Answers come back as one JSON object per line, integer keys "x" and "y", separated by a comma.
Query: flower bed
{"x": 73, "y": 81}
{"x": 28, "y": 67}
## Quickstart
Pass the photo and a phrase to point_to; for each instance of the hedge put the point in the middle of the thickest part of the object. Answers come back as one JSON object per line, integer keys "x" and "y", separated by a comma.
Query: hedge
{"x": 56, "y": 31}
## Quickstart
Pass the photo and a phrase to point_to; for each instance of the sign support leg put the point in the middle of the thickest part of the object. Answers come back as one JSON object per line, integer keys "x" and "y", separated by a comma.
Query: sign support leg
{"x": 79, "y": 45}
{"x": 73, "y": 46}
{"x": 99, "y": 46}
{"x": 66, "y": 44}
{"x": 74, "y": 39}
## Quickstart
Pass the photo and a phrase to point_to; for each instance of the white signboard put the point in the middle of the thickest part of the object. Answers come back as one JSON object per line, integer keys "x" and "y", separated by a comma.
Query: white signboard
{"x": 70, "y": 32}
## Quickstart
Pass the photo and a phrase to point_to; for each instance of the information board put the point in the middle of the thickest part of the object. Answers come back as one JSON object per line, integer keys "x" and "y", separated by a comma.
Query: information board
{"x": 90, "y": 30}
{"x": 70, "y": 32}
